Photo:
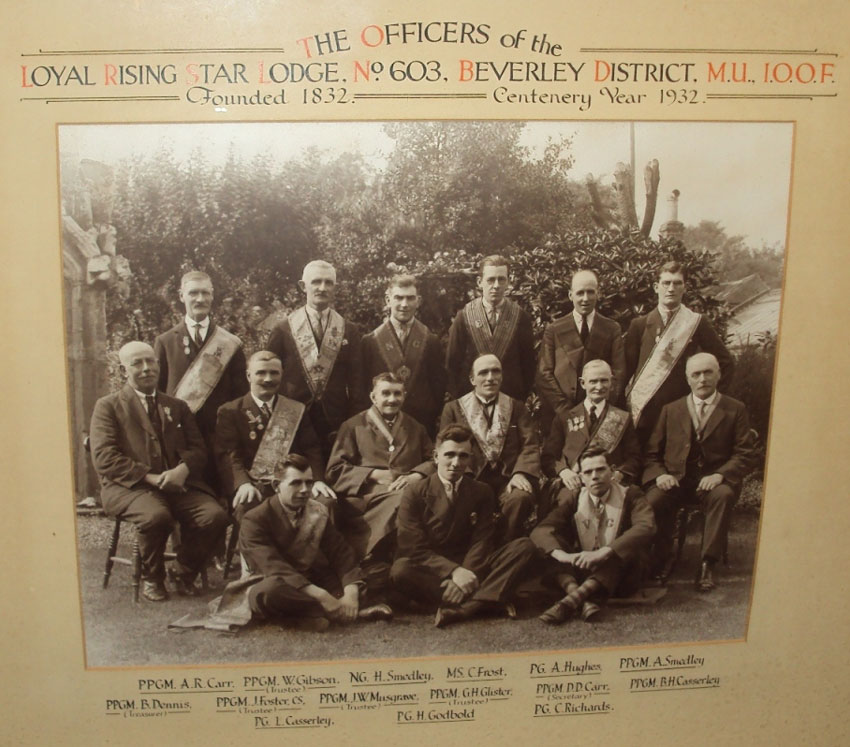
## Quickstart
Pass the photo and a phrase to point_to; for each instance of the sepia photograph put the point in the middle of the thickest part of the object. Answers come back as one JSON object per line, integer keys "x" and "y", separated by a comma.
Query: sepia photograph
{"x": 405, "y": 389}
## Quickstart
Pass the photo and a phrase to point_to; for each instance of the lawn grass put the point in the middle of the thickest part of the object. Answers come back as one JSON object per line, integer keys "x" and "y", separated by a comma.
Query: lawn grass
{"x": 121, "y": 633}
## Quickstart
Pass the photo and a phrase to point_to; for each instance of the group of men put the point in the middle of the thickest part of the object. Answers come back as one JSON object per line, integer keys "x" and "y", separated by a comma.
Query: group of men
{"x": 366, "y": 469}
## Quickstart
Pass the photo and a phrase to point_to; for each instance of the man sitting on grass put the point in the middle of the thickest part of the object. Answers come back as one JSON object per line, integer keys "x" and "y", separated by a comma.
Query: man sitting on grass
{"x": 598, "y": 542}
{"x": 311, "y": 576}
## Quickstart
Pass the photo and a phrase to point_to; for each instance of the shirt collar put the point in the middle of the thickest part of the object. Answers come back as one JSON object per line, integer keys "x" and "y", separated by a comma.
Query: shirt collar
{"x": 490, "y": 309}
{"x": 449, "y": 489}
{"x": 485, "y": 403}
{"x": 665, "y": 312}
{"x": 600, "y": 406}
{"x": 710, "y": 401}
{"x": 316, "y": 315}
{"x": 260, "y": 402}
{"x": 205, "y": 325}
{"x": 143, "y": 397}
{"x": 601, "y": 500}
{"x": 293, "y": 516}
{"x": 401, "y": 326}
{"x": 590, "y": 317}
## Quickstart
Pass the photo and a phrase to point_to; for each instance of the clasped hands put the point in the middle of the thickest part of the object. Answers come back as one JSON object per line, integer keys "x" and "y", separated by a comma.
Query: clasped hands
{"x": 586, "y": 560}
{"x": 462, "y": 584}
{"x": 171, "y": 480}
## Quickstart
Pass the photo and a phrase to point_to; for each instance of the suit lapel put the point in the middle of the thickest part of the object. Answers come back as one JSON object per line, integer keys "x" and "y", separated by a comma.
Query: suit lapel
{"x": 136, "y": 410}
{"x": 683, "y": 419}
{"x": 715, "y": 417}
{"x": 570, "y": 339}
{"x": 650, "y": 332}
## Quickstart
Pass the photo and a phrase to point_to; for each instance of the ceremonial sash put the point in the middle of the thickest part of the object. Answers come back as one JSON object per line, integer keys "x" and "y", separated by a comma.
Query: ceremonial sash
{"x": 316, "y": 362}
{"x": 381, "y": 424}
{"x": 305, "y": 546}
{"x": 665, "y": 354}
{"x": 599, "y": 528}
{"x": 403, "y": 363}
{"x": 277, "y": 440}
{"x": 206, "y": 370}
{"x": 609, "y": 431}
{"x": 485, "y": 341}
{"x": 490, "y": 438}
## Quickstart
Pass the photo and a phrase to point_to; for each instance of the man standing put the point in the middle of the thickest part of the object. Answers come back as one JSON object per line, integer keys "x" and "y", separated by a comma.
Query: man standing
{"x": 700, "y": 450}
{"x": 376, "y": 455}
{"x": 445, "y": 551}
{"x": 310, "y": 574}
{"x": 150, "y": 457}
{"x": 506, "y": 451}
{"x": 657, "y": 346}
{"x": 595, "y": 421}
{"x": 572, "y": 340}
{"x": 320, "y": 354}
{"x": 492, "y": 324}
{"x": 257, "y": 431}
{"x": 406, "y": 348}
{"x": 200, "y": 362}
{"x": 597, "y": 542}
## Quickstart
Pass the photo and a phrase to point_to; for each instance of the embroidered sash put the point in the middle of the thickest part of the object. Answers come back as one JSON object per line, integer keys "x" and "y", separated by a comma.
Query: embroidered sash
{"x": 317, "y": 363}
{"x": 403, "y": 363}
{"x": 665, "y": 354}
{"x": 599, "y": 528}
{"x": 381, "y": 424}
{"x": 304, "y": 547}
{"x": 609, "y": 431}
{"x": 277, "y": 440}
{"x": 207, "y": 369}
{"x": 490, "y": 438}
{"x": 485, "y": 341}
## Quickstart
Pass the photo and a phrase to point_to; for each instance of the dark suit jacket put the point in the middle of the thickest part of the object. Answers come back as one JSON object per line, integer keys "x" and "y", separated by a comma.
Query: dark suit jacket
{"x": 637, "y": 528}
{"x": 521, "y": 452}
{"x": 235, "y": 449}
{"x": 441, "y": 535}
{"x": 726, "y": 444}
{"x": 639, "y": 341}
{"x": 518, "y": 363}
{"x": 264, "y": 539}
{"x": 173, "y": 363}
{"x": 339, "y": 400}
{"x": 360, "y": 448}
{"x": 124, "y": 445}
{"x": 563, "y": 446}
{"x": 425, "y": 390}
{"x": 562, "y": 357}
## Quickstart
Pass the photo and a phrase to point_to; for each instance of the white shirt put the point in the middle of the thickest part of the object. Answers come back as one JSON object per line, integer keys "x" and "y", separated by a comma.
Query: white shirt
{"x": 602, "y": 500}
{"x": 319, "y": 319}
{"x": 260, "y": 402}
{"x": 666, "y": 313}
{"x": 205, "y": 326}
{"x": 707, "y": 402}
{"x": 401, "y": 330}
{"x": 449, "y": 488}
{"x": 144, "y": 397}
{"x": 578, "y": 317}
{"x": 600, "y": 406}
{"x": 493, "y": 312}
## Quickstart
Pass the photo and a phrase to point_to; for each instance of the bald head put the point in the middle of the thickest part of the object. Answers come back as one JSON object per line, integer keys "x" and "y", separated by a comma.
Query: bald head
{"x": 486, "y": 376}
{"x": 140, "y": 365}
{"x": 584, "y": 290}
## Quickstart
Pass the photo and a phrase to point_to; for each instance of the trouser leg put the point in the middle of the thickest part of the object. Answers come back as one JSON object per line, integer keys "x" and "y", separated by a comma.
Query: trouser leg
{"x": 664, "y": 504}
{"x": 203, "y": 522}
{"x": 515, "y": 507}
{"x": 716, "y": 506}
{"x": 507, "y": 566}
{"x": 150, "y": 512}
{"x": 272, "y": 598}
{"x": 416, "y": 582}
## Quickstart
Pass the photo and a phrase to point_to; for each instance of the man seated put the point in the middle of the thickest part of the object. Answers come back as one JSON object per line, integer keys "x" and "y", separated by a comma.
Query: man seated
{"x": 256, "y": 431}
{"x": 597, "y": 541}
{"x": 595, "y": 421}
{"x": 149, "y": 456}
{"x": 505, "y": 451}
{"x": 445, "y": 553}
{"x": 310, "y": 573}
{"x": 377, "y": 453}
{"x": 700, "y": 450}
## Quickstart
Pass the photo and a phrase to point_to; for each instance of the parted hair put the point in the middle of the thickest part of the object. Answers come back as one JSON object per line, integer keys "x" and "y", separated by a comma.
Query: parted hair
{"x": 674, "y": 267}
{"x": 296, "y": 461}
{"x": 264, "y": 355}
{"x": 387, "y": 376}
{"x": 457, "y": 433}
{"x": 402, "y": 281}
{"x": 594, "y": 449}
{"x": 494, "y": 260}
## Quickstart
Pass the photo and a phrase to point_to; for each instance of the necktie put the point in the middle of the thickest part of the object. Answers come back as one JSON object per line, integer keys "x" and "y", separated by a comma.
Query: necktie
{"x": 266, "y": 412}
{"x": 199, "y": 341}
{"x": 594, "y": 418}
{"x": 584, "y": 331}
{"x": 321, "y": 327}
{"x": 488, "y": 411}
{"x": 402, "y": 334}
{"x": 701, "y": 415}
{"x": 153, "y": 415}
{"x": 601, "y": 525}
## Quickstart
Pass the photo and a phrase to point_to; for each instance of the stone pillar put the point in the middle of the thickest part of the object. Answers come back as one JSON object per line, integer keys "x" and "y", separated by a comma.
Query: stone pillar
{"x": 90, "y": 269}
{"x": 672, "y": 228}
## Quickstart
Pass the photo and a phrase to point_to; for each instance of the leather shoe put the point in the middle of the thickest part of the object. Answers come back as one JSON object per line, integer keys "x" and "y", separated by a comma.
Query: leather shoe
{"x": 557, "y": 613}
{"x": 376, "y": 612}
{"x": 510, "y": 611}
{"x": 705, "y": 582}
{"x": 447, "y": 616}
{"x": 154, "y": 591}
{"x": 183, "y": 584}
{"x": 663, "y": 571}
{"x": 589, "y": 610}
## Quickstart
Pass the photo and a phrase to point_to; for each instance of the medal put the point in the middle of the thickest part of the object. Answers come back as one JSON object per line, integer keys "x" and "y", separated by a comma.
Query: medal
{"x": 403, "y": 372}
{"x": 392, "y": 448}
{"x": 252, "y": 436}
